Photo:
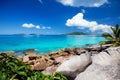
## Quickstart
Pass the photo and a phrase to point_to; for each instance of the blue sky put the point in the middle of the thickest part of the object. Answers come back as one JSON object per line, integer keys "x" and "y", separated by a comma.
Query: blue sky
{"x": 58, "y": 16}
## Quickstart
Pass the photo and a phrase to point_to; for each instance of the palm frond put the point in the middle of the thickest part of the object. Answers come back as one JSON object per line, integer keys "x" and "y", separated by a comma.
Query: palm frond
{"x": 113, "y": 39}
{"x": 108, "y": 36}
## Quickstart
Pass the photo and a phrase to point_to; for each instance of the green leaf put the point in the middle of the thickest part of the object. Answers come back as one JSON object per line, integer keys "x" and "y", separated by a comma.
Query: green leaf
{"x": 13, "y": 76}
{"x": 3, "y": 76}
{"x": 22, "y": 73}
{"x": 28, "y": 78}
{"x": 21, "y": 67}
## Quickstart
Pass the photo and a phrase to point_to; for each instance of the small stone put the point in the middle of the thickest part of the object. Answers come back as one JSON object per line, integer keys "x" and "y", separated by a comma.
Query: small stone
{"x": 25, "y": 59}
{"x": 20, "y": 58}
{"x": 29, "y": 51}
{"x": 8, "y": 53}
{"x": 31, "y": 62}
{"x": 69, "y": 50}
{"x": 40, "y": 66}
{"x": 79, "y": 51}
{"x": 32, "y": 67}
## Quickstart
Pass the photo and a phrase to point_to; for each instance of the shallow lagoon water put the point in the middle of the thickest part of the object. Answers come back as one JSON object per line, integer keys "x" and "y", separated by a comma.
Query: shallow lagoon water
{"x": 46, "y": 43}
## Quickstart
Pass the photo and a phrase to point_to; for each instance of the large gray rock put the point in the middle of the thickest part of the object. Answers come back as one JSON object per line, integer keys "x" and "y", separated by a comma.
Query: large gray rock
{"x": 105, "y": 66}
{"x": 74, "y": 65}
{"x": 98, "y": 72}
{"x": 59, "y": 59}
{"x": 50, "y": 70}
{"x": 102, "y": 58}
{"x": 111, "y": 56}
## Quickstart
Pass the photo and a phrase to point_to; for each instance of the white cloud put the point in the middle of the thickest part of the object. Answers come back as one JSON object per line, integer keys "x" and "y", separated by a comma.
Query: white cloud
{"x": 30, "y": 25}
{"x": 38, "y": 27}
{"x": 84, "y": 3}
{"x": 66, "y": 2}
{"x": 26, "y": 25}
{"x": 82, "y": 23}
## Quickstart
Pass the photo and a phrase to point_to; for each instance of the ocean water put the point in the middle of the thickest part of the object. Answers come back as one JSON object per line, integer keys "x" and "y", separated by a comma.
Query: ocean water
{"x": 46, "y": 43}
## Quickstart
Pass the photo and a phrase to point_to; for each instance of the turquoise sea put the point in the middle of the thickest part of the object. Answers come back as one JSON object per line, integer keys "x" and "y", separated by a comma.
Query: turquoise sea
{"x": 46, "y": 43}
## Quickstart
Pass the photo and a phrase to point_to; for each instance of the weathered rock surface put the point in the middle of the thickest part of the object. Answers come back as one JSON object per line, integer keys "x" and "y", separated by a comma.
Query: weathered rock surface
{"x": 20, "y": 58}
{"x": 25, "y": 59}
{"x": 74, "y": 65}
{"x": 94, "y": 63}
{"x": 29, "y": 51}
{"x": 59, "y": 59}
{"x": 74, "y": 62}
{"x": 105, "y": 66}
{"x": 50, "y": 70}
{"x": 110, "y": 56}
{"x": 40, "y": 66}
{"x": 41, "y": 62}
{"x": 98, "y": 72}
{"x": 9, "y": 53}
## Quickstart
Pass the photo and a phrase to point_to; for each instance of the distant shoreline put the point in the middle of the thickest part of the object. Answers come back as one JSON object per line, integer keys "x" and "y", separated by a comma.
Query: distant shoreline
{"x": 49, "y": 35}
{"x": 69, "y": 33}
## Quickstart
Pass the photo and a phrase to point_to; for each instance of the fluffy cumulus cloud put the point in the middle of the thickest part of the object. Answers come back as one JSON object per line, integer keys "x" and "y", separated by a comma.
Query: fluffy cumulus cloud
{"x": 30, "y": 25}
{"x": 25, "y": 25}
{"x": 38, "y": 27}
{"x": 82, "y": 23}
{"x": 85, "y": 3}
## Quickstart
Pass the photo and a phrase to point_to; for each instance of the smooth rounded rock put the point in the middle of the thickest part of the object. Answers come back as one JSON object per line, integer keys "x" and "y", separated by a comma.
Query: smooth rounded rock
{"x": 105, "y": 66}
{"x": 74, "y": 65}
{"x": 50, "y": 70}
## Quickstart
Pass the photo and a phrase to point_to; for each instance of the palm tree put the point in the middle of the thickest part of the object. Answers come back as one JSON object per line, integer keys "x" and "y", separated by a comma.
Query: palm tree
{"x": 114, "y": 38}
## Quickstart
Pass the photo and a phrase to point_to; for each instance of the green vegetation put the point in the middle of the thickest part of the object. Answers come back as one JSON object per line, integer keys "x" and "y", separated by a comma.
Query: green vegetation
{"x": 113, "y": 39}
{"x": 76, "y": 33}
{"x": 13, "y": 69}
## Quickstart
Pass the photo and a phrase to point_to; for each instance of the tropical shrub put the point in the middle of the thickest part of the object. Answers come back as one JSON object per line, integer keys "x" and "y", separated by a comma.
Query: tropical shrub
{"x": 13, "y": 69}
